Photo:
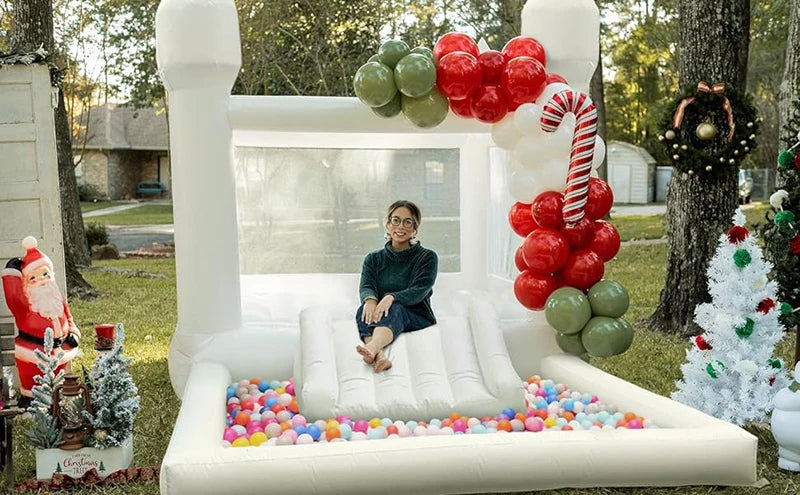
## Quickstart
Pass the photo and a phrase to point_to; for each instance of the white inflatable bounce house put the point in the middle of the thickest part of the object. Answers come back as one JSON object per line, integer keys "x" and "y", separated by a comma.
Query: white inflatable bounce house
{"x": 301, "y": 325}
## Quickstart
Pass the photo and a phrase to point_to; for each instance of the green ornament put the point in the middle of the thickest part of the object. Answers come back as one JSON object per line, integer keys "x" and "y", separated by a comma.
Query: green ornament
{"x": 785, "y": 158}
{"x": 713, "y": 372}
{"x": 392, "y": 51}
{"x": 389, "y": 110}
{"x": 567, "y": 310}
{"x": 742, "y": 258}
{"x": 786, "y": 309}
{"x": 415, "y": 75}
{"x": 746, "y": 330}
{"x": 571, "y": 344}
{"x": 775, "y": 363}
{"x": 784, "y": 217}
{"x": 374, "y": 84}
{"x": 426, "y": 111}
{"x": 609, "y": 298}
{"x": 604, "y": 336}
{"x": 424, "y": 50}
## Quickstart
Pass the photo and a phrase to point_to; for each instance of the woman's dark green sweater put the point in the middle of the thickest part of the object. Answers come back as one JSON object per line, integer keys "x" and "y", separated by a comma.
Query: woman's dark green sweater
{"x": 408, "y": 275}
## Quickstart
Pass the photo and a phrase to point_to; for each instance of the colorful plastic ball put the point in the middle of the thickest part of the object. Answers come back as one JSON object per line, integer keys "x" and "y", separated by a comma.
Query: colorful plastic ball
{"x": 313, "y": 431}
{"x": 230, "y": 393}
{"x": 241, "y": 442}
{"x": 258, "y": 438}
{"x": 304, "y": 439}
{"x": 420, "y": 431}
{"x": 345, "y": 431}
{"x": 413, "y": 424}
{"x": 517, "y": 425}
{"x": 504, "y": 425}
{"x": 459, "y": 425}
{"x": 242, "y": 418}
{"x": 634, "y": 424}
{"x": 361, "y": 426}
{"x": 391, "y": 429}
{"x": 284, "y": 399}
{"x": 290, "y": 389}
{"x": 534, "y": 424}
{"x": 299, "y": 420}
{"x": 299, "y": 429}
{"x": 230, "y": 435}
{"x": 374, "y": 422}
{"x": 284, "y": 440}
{"x": 273, "y": 430}
{"x": 404, "y": 431}
{"x": 283, "y": 415}
{"x": 248, "y": 405}
{"x": 332, "y": 433}
{"x": 509, "y": 413}
{"x": 332, "y": 423}
{"x": 477, "y": 429}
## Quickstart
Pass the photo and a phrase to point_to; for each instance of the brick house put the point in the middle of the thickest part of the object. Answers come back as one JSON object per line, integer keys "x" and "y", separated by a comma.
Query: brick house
{"x": 124, "y": 147}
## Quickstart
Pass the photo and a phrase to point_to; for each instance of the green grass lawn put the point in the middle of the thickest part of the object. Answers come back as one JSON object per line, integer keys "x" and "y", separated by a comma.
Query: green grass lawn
{"x": 157, "y": 214}
{"x": 87, "y": 206}
{"x": 142, "y": 296}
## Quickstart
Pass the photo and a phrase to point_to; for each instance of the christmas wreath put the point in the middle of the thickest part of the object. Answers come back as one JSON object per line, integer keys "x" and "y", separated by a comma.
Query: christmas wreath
{"x": 710, "y": 130}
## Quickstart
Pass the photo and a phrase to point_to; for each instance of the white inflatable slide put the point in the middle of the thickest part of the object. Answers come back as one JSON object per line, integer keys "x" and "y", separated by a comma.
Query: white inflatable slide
{"x": 233, "y": 326}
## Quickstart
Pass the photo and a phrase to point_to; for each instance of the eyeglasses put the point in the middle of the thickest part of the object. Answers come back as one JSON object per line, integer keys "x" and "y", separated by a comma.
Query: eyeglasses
{"x": 407, "y": 222}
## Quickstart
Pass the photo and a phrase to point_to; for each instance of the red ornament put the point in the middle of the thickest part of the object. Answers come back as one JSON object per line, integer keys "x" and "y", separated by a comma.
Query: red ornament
{"x": 766, "y": 305}
{"x": 524, "y": 46}
{"x": 455, "y": 42}
{"x": 458, "y": 75}
{"x": 579, "y": 234}
{"x": 532, "y": 290}
{"x": 599, "y": 199}
{"x": 702, "y": 344}
{"x": 737, "y": 234}
{"x": 555, "y": 78}
{"x": 583, "y": 269}
{"x": 606, "y": 240}
{"x": 797, "y": 161}
{"x": 794, "y": 246}
{"x": 462, "y": 108}
{"x": 489, "y": 104}
{"x": 523, "y": 80}
{"x": 521, "y": 220}
{"x": 771, "y": 381}
{"x": 546, "y": 209}
{"x": 545, "y": 251}
{"x": 519, "y": 260}
{"x": 492, "y": 65}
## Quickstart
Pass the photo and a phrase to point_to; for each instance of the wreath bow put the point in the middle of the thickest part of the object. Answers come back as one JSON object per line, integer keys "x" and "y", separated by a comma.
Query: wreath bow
{"x": 703, "y": 87}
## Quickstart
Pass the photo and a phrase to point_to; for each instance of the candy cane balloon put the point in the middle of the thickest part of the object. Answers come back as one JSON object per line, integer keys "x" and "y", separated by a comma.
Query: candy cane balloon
{"x": 583, "y": 141}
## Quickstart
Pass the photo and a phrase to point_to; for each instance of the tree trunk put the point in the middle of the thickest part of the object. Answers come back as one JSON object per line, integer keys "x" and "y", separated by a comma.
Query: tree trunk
{"x": 714, "y": 42}
{"x": 790, "y": 86}
{"x": 32, "y": 27}
{"x": 597, "y": 91}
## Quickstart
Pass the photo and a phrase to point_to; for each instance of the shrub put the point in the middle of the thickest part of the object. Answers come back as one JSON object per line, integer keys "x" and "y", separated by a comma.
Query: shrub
{"x": 88, "y": 192}
{"x": 96, "y": 234}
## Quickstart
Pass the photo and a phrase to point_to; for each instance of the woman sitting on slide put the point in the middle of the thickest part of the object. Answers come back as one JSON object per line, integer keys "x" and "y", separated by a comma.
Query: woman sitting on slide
{"x": 396, "y": 286}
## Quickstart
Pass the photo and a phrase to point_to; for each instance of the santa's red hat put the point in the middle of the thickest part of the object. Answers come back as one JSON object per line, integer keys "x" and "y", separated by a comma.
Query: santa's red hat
{"x": 33, "y": 258}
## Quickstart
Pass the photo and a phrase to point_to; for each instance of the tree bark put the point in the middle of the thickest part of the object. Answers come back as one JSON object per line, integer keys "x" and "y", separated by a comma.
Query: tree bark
{"x": 714, "y": 43}
{"x": 790, "y": 86}
{"x": 32, "y": 26}
{"x": 597, "y": 91}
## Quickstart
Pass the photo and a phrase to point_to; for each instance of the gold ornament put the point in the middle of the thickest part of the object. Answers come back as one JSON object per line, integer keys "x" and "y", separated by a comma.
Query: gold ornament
{"x": 736, "y": 152}
{"x": 743, "y": 142}
{"x": 752, "y": 137}
{"x": 684, "y": 147}
{"x": 731, "y": 161}
{"x": 660, "y": 138}
{"x": 750, "y": 124}
{"x": 691, "y": 172}
{"x": 675, "y": 146}
{"x": 706, "y": 131}
{"x": 676, "y": 157}
{"x": 746, "y": 149}
{"x": 670, "y": 135}
{"x": 709, "y": 168}
{"x": 722, "y": 160}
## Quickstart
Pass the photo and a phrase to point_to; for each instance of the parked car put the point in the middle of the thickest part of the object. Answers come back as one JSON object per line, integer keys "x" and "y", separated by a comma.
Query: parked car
{"x": 745, "y": 185}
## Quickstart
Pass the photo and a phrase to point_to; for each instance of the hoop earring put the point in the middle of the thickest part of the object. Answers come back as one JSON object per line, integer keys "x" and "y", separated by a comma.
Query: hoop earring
{"x": 387, "y": 236}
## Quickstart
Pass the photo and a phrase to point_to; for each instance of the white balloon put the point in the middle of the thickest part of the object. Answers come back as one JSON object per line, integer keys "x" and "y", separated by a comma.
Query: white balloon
{"x": 532, "y": 152}
{"x": 599, "y": 153}
{"x": 553, "y": 176}
{"x": 549, "y": 91}
{"x": 522, "y": 185}
{"x": 504, "y": 134}
{"x": 561, "y": 140}
{"x": 527, "y": 119}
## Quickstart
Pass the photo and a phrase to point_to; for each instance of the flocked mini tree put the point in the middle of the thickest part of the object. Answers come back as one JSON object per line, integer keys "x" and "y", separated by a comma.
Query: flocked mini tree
{"x": 44, "y": 432}
{"x": 731, "y": 372}
{"x": 115, "y": 398}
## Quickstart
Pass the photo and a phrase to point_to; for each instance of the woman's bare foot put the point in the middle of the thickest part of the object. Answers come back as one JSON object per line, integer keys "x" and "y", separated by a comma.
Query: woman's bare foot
{"x": 366, "y": 352}
{"x": 381, "y": 363}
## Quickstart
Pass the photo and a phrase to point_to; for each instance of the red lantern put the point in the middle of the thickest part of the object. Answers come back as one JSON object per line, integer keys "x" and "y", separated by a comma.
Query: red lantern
{"x": 523, "y": 80}
{"x": 458, "y": 75}
{"x": 545, "y": 251}
{"x": 521, "y": 220}
{"x": 455, "y": 42}
{"x": 606, "y": 240}
{"x": 524, "y": 46}
{"x": 489, "y": 104}
{"x": 599, "y": 199}
{"x": 579, "y": 234}
{"x": 519, "y": 260}
{"x": 492, "y": 65}
{"x": 583, "y": 269}
{"x": 462, "y": 108}
{"x": 547, "y": 209}
{"x": 532, "y": 290}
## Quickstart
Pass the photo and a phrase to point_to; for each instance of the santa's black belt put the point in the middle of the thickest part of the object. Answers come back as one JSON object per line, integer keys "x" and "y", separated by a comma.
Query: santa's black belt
{"x": 36, "y": 340}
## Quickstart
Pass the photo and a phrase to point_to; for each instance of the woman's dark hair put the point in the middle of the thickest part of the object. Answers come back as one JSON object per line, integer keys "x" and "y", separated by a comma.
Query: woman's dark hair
{"x": 414, "y": 209}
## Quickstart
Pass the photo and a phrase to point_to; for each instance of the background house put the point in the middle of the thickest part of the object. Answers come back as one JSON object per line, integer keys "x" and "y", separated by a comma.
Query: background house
{"x": 123, "y": 147}
{"x": 631, "y": 173}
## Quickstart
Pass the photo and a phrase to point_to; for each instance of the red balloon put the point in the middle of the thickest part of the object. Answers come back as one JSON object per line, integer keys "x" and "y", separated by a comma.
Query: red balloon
{"x": 559, "y": 279}
{"x": 521, "y": 220}
{"x": 462, "y": 108}
{"x": 546, "y": 209}
{"x": 555, "y": 78}
{"x": 492, "y": 64}
{"x": 599, "y": 199}
{"x": 455, "y": 42}
{"x": 489, "y": 104}
{"x": 580, "y": 234}
{"x": 458, "y": 75}
{"x": 523, "y": 80}
{"x": 545, "y": 251}
{"x": 606, "y": 240}
{"x": 584, "y": 268}
{"x": 524, "y": 46}
{"x": 532, "y": 290}
{"x": 519, "y": 260}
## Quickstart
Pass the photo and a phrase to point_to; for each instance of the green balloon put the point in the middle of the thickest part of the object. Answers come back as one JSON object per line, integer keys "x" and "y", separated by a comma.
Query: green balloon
{"x": 604, "y": 336}
{"x": 374, "y": 58}
{"x": 609, "y": 298}
{"x": 415, "y": 75}
{"x": 571, "y": 344}
{"x": 567, "y": 310}
{"x": 390, "y": 109}
{"x": 424, "y": 50}
{"x": 392, "y": 51}
{"x": 585, "y": 356}
{"x": 426, "y": 111}
{"x": 374, "y": 84}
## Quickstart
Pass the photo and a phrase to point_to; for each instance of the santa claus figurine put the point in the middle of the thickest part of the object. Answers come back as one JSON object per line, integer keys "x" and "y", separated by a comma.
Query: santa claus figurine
{"x": 37, "y": 304}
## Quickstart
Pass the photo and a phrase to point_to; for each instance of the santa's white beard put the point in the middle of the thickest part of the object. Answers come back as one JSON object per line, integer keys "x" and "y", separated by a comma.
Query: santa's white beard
{"x": 46, "y": 300}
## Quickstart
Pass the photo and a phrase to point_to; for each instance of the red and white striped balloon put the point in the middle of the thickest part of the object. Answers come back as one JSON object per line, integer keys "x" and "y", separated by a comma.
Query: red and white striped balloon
{"x": 583, "y": 141}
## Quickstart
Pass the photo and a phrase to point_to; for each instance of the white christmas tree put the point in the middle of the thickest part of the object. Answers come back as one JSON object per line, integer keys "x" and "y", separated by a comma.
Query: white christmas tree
{"x": 44, "y": 432}
{"x": 731, "y": 372}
